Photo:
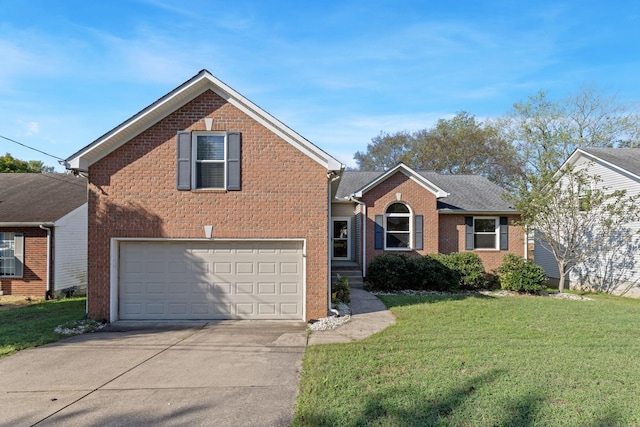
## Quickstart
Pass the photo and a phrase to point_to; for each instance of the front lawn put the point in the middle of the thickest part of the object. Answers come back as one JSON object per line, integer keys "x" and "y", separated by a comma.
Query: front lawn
{"x": 482, "y": 361}
{"x": 33, "y": 325}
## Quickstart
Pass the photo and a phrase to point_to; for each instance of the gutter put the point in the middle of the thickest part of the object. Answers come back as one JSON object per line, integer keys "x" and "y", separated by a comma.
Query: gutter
{"x": 463, "y": 212}
{"x": 26, "y": 224}
{"x": 49, "y": 293}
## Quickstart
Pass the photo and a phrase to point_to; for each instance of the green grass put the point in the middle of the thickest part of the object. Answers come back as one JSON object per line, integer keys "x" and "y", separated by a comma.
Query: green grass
{"x": 482, "y": 361}
{"x": 33, "y": 325}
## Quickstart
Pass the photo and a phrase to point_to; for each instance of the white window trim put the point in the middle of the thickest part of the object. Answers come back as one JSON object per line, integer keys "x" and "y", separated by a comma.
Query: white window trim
{"x": 14, "y": 258}
{"x": 398, "y": 215}
{"x": 195, "y": 161}
{"x": 496, "y": 244}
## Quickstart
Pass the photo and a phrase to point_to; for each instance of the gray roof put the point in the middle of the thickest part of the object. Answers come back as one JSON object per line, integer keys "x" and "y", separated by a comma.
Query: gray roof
{"x": 470, "y": 193}
{"x": 625, "y": 158}
{"x": 39, "y": 197}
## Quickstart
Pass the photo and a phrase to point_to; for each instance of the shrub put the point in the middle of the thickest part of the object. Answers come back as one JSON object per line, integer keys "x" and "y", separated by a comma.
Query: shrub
{"x": 393, "y": 272}
{"x": 436, "y": 276}
{"x": 340, "y": 290}
{"x": 519, "y": 275}
{"x": 469, "y": 267}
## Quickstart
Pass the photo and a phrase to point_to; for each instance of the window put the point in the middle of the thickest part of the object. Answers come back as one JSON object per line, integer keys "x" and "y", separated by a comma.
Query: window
{"x": 209, "y": 160}
{"x": 7, "y": 255}
{"x": 209, "y": 157}
{"x": 585, "y": 191}
{"x": 485, "y": 233}
{"x": 398, "y": 227}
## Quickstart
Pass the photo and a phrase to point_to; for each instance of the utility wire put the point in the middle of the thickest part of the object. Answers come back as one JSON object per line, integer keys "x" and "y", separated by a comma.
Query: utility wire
{"x": 31, "y": 148}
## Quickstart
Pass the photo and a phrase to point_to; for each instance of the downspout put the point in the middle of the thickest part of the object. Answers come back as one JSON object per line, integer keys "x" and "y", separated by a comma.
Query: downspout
{"x": 526, "y": 244}
{"x": 363, "y": 228}
{"x": 49, "y": 294}
{"x": 331, "y": 176}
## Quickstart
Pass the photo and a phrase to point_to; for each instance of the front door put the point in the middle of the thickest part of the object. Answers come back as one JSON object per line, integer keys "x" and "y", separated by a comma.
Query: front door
{"x": 340, "y": 232}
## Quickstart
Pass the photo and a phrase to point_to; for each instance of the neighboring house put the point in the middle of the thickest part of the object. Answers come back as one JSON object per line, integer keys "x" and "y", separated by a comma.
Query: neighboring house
{"x": 405, "y": 211}
{"x": 204, "y": 206}
{"x": 43, "y": 234}
{"x": 616, "y": 271}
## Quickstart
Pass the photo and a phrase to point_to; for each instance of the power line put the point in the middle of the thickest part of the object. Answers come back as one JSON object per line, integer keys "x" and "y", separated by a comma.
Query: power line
{"x": 31, "y": 148}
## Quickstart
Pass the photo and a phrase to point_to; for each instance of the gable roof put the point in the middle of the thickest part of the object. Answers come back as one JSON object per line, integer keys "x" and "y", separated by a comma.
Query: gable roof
{"x": 36, "y": 198}
{"x": 410, "y": 173}
{"x": 465, "y": 193}
{"x": 627, "y": 159}
{"x": 194, "y": 87}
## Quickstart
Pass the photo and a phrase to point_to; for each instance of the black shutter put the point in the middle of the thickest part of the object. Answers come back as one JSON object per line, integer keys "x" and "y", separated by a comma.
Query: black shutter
{"x": 184, "y": 161}
{"x": 468, "y": 225}
{"x": 504, "y": 233}
{"x": 233, "y": 161}
{"x": 418, "y": 241}
{"x": 19, "y": 253}
{"x": 379, "y": 232}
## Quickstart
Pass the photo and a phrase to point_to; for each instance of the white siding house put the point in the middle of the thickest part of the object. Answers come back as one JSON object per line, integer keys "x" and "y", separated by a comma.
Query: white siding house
{"x": 616, "y": 271}
{"x": 70, "y": 252}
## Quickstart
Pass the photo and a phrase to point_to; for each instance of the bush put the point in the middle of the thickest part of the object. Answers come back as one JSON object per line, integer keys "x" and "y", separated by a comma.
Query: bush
{"x": 438, "y": 272}
{"x": 469, "y": 268}
{"x": 436, "y": 276}
{"x": 393, "y": 272}
{"x": 519, "y": 275}
{"x": 340, "y": 291}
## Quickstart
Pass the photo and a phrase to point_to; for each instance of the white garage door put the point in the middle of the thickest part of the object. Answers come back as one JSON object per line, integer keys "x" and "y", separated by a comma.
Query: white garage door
{"x": 211, "y": 280}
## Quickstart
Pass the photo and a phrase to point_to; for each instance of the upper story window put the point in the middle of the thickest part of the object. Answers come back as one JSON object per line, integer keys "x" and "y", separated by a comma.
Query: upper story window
{"x": 210, "y": 156}
{"x": 209, "y": 160}
{"x": 398, "y": 227}
{"x": 486, "y": 233}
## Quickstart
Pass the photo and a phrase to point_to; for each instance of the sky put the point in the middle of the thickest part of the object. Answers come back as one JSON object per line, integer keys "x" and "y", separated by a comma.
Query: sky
{"x": 338, "y": 72}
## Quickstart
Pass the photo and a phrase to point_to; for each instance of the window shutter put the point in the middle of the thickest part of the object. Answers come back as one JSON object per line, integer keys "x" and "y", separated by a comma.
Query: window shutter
{"x": 233, "y": 161}
{"x": 418, "y": 242}
{"x": 504, "y": 233}
{"x": 184, "y": 161}
{"x": 19, "y": 253}
{"x": 468, "y": 225}
{"x": 379, "y": 232}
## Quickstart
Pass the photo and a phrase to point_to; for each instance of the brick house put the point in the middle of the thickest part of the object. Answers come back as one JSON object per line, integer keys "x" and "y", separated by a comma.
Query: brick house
{"x": 204, "y": 206}
{"x": 43, "y": 234}
{"x": 405, "y": 211}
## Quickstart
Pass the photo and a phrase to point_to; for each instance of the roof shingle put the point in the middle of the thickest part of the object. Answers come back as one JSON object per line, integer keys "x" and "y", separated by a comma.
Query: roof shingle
{"x": 39, "y": 197}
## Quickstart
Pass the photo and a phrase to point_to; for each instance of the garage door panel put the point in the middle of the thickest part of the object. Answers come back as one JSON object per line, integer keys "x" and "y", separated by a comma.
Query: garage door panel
{"x": 211, "y": 280}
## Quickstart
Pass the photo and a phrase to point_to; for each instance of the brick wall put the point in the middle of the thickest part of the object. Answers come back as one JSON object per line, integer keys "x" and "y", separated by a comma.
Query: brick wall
{"x": 34, "y": 280}
{"x": 452, "y": 239}
{"x": 132, "y": 193}
{"x": 420, "y": 202}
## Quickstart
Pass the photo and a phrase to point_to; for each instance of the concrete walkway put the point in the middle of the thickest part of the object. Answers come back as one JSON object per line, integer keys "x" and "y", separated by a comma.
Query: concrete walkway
{"x": 368, "y": 316}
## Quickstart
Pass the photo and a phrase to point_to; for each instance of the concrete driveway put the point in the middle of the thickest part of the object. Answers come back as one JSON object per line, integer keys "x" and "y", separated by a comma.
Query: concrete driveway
{"x": 192, "y": 374}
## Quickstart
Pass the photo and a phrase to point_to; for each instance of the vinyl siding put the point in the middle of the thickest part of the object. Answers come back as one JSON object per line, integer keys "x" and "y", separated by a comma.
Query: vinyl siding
{"x": 70, "y": 251}
{"x": 614, "y": 272}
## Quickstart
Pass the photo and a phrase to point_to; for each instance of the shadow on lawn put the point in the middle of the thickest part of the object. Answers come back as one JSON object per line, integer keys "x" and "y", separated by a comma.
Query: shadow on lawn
{"x": 401, "y": 300}
{"x": 414, "y": 406}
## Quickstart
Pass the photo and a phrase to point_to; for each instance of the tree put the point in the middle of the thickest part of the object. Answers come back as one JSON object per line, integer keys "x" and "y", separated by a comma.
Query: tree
{"x": 461, "y": 145}
{"x": 576, "y": 218}
{"x": 545, "y": 132}
{"x": 9, "y": 164}
{"x": 575, "y": 224}
{"x": 385, "y": 151}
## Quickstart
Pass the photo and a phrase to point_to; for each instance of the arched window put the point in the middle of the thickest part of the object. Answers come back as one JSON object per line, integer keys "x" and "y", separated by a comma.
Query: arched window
{"x": 398, "y": 226}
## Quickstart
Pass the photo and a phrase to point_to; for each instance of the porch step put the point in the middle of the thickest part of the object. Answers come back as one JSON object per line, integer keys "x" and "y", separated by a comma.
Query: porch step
{"x": 349, "y": 269}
